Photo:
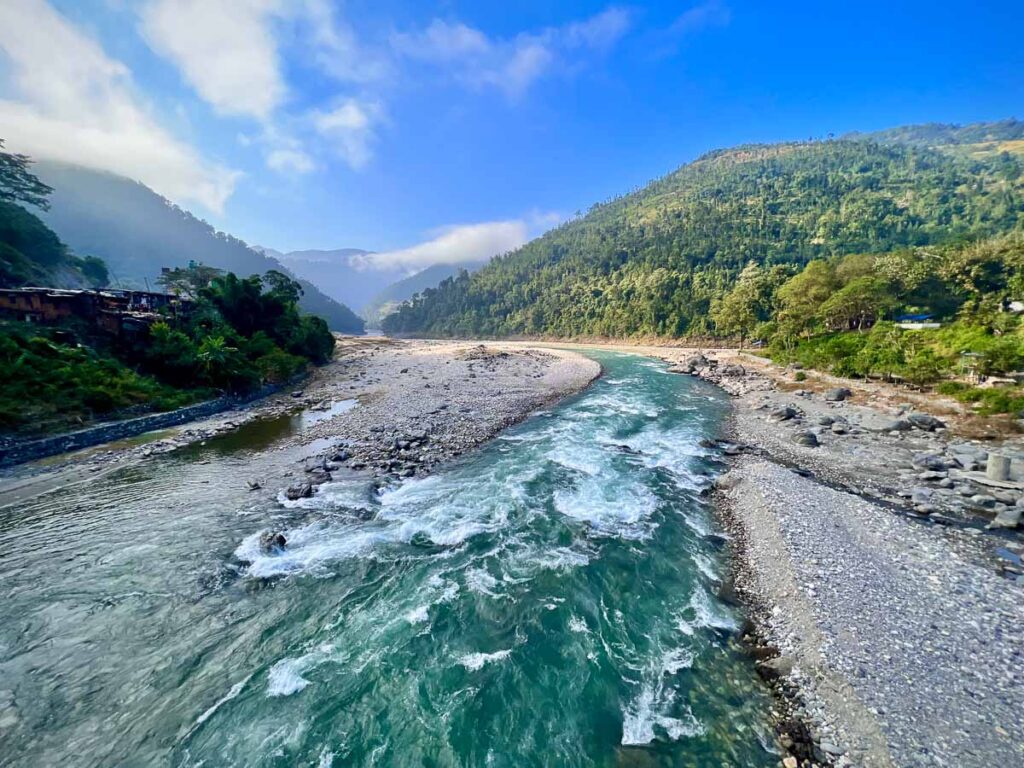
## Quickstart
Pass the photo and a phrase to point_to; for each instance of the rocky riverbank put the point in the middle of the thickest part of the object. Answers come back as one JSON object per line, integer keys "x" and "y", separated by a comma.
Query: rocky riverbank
{"x": 392, "y": 409}
{"x": 881, "y": 568}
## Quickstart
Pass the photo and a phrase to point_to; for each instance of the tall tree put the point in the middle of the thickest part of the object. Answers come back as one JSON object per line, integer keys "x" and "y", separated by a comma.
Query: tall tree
{"x": 18, "y": 184}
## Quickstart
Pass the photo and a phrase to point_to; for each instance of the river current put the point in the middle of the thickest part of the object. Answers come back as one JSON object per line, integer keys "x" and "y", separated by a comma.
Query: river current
{"x": 550, "y": 600}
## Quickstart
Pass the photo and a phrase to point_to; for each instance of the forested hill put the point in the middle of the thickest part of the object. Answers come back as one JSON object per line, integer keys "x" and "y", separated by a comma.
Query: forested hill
{"x": 136, "y": 232}
{"x": 651, "y": 262}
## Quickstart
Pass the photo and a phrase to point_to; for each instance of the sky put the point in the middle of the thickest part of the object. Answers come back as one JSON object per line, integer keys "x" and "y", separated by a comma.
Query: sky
{"x": 449, "y": 131}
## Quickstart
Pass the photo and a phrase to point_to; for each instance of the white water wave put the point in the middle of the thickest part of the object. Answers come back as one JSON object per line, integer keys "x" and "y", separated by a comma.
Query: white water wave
{"x": 476, "y": 661}
{"x": 231, "y": 694}
{"x": 648, "y": 717}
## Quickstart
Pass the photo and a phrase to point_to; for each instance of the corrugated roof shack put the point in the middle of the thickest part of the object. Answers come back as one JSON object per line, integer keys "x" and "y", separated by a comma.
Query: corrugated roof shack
{"x": 119, "y": 313}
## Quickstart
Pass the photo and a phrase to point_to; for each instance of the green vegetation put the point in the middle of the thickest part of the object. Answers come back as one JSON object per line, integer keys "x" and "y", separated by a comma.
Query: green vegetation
{"x": 48, "y": 382}
{"x": 659, "y": 261}
{"x": 235, "y": 335}
{"x": 30, "y": 253}
{"x": 811, "y": 248}
{"x": 240, "y": 334}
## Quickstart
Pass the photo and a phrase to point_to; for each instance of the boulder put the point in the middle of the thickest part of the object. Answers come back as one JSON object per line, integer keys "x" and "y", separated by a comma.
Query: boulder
{"x": 1007, "y": 518}
{"x": 785, "y": 413}
{"x": 839, "y": 428}
{"x": 837, "y": 395}
{"x": 806, "y": 439}
{"x": 931, "y": 461}
{"x": 926, "y": 421}
{"x": 773, "y": 669}
{"x": 826, "y": 421}
{"x": 876, "y": 422}
{"x": 301, "y": 491}
{"x": 733, "y": 370}
{"x": 319, "y": 477}
{"x": 982, "y": 501}
{"x": 272, "y": 541}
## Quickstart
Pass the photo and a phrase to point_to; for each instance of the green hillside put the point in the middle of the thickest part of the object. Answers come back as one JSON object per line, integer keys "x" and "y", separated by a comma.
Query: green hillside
{"x": 137, "y": 232}
{"x": 389, "y": 299}
{"x": 653, "y": 261}
{"x": 30, "y": 252}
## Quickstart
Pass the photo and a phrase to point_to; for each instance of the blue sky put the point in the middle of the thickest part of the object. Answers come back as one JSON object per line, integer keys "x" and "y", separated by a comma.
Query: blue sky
{"x": 436, "y": 131}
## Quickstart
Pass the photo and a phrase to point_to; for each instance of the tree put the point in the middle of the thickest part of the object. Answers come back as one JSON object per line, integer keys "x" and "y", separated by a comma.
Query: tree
{"x": 18, "y": 184}
{"x": 857, "y": 305}
{"x": 801, "y": 297}
{"x": 750, "y": 302}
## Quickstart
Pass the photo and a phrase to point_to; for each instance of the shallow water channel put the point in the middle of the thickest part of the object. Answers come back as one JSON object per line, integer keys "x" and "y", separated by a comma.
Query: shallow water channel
{"x": 549, "y": 600}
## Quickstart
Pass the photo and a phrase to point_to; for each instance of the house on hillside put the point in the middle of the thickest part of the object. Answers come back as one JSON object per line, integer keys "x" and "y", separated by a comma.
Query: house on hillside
{"x": 916, "y": 322}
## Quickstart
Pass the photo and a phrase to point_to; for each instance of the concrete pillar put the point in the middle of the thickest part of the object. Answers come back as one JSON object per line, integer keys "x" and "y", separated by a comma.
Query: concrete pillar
{"x": 998, "y": 467}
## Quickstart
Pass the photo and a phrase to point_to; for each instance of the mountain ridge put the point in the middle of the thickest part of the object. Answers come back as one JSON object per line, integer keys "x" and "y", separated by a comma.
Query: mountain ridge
{"x": 652, "y": 261}
{"x": 137, "y": 232}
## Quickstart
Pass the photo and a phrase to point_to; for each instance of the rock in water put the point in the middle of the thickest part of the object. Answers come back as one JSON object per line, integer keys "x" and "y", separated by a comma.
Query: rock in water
{"x": 272, "y": 541}
{"x": 296, "y": 492}
{"x": 837, "y": 395}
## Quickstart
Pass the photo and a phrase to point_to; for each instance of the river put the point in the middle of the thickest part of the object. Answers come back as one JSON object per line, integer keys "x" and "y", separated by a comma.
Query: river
{"x": 549, "y": 600}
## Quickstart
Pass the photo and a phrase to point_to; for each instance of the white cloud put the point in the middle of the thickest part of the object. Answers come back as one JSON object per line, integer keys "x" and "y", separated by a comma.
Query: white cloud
{"x": 226, "y": 51}
{"x": 512, "y": 65}
{"x": 336, "y": 49}
{"x": 457, "y": 244}
{"x": 351, "y": 128}
{"x": 290, "y": 161}
{"x": 69, "y": 101}
{"x": 706, "y": 15}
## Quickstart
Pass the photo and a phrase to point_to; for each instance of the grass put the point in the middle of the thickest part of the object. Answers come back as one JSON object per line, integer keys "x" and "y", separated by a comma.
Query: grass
{"x": 50, "y": 383}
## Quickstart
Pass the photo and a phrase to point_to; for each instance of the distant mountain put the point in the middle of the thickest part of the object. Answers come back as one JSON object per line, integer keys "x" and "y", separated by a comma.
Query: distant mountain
{"x": 656, "y": 261}
{"x": 388, "y": 300}
{"x": 136, "y": 232}
{"x": 343, "y": 274}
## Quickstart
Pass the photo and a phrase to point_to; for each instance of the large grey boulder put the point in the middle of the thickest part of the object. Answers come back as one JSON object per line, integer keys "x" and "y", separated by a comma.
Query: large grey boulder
{"x": 925, "y": 421}
{"x": 837, "y": 395}
{"x": 301, "y": 491}
{"x": 785, "y": 413}
{"x": 876, "y": 422}
{"x": 272, "y": 541}
{"x": 932, "y": 461}
{"x": 806, "y": 439}
{"x": 1007, "y": 518}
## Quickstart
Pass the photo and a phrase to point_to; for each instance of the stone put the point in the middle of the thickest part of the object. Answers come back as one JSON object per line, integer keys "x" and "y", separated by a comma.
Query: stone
{"x": 876, "y": 422}
{"x": 806, "y": 439}
{"x": 733, "y": 370}
{"x": 1007, "y": 518}
{"x": 837, "y": 395}
{"x": 272, "y": 541}
{"x": 839, "y": 428}
{"x": 925, "y": 421}
{"x": 932, "y": 475}
{"x": 983, "y": 501}
{"x": 785, "y": 413}
{"x": 921, "y": 495}
{"x": 773, "y": 669}
{"x": 790, "y": 762}
{"x": 932, "y": 461}
{"x": 826, "y": 421}
{"x": 296, "y": 492}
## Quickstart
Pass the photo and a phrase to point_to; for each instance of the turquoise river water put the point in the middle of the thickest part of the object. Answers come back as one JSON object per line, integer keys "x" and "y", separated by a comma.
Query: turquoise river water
{"x": 548, "y": 601}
